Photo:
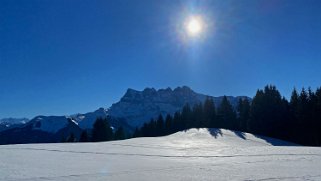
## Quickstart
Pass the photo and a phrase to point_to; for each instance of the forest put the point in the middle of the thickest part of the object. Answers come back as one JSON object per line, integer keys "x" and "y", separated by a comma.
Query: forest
{"x": 267, "y": 114}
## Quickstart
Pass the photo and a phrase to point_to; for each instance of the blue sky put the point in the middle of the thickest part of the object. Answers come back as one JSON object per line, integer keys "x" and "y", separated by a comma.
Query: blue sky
{"x": 66, "y": 56}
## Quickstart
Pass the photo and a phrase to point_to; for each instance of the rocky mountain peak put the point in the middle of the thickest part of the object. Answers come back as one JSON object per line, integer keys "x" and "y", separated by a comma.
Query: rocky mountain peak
{"x": 137, "y": 107}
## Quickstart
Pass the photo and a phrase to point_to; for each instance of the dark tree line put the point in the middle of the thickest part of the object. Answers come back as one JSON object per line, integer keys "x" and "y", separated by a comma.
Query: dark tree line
{"x": 101, "y": 131}
{"x": 268, "y": 114}
{"x": 201, "y": 115}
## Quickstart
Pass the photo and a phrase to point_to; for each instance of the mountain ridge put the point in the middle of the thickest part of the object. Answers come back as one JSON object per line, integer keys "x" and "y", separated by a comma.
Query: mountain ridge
{"x": 134, "y": 104}
{"x": 132, "y": 110}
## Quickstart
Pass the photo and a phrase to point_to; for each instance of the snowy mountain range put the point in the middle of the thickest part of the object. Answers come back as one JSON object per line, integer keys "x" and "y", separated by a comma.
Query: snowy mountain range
{"x": 133, "y": 110}
{"x": 8, "y": 123}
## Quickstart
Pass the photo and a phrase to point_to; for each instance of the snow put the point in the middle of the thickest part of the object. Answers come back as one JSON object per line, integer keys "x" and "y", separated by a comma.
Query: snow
{"x": 196, "y": 154}
{"x": 50, "y": 124}
{"x": 86, "y": 121}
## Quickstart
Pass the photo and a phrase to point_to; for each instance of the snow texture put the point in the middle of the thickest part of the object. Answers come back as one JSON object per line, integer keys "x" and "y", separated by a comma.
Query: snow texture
{"x": 196, "y": 154}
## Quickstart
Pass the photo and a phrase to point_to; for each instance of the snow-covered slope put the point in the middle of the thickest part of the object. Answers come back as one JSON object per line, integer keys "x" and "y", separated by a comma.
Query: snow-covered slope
{"x": 191, "y": 155}
{"x": 50, "y": 124}
{"x": 138, "y": 107}
{"x": 86, "y": 121}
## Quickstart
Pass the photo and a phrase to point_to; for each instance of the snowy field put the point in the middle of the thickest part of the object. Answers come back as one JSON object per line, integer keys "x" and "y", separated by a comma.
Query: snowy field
{"x": 192, "y": 155}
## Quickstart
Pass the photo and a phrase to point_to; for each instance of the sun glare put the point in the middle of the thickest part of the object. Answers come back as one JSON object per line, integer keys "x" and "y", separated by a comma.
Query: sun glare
{"x": 194, "y": 26}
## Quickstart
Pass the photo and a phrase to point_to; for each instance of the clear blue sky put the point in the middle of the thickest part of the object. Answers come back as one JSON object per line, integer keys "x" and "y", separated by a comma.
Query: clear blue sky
{"x": 61, "y": 57}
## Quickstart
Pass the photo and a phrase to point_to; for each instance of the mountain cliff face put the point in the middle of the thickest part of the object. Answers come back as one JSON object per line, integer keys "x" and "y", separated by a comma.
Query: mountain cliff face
{"x": 138, "y": 107}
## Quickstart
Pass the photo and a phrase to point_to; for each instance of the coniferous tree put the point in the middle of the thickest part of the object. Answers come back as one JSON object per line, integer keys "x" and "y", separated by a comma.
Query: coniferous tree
{"x": 149, "y": 129}
{"x": 243, "y": 109}
{"x": 119, "y": 134}
{"x": 152, "y": 127}
{"x": 168, "y": 124}
{"x": 71, "y": 138}
{"x": 177, "y": 122}
{"x": 226, "y": 115}
{"x": 294, "y": 104}
{"x": 209, "y": 113}
{"x": 160, "y": 126}
{"x": 63, "y": 138}
{"x": 318, "y": 114}
{"x": 294, "y": 115}
{"x": 137, "y": 133}
{"x": 186, "y": 117}
{"x": 267, "y": 112}
{"x": 84, "y": 136}
{"x": 197, "y": 120}
{"x": 312, "y": 117}
{"x": 102, "y": 131}
{"x": 143, "y": 130}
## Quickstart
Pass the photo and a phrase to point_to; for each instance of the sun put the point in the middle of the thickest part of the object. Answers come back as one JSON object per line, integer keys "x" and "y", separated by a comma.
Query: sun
{"x": 194, "y": 26}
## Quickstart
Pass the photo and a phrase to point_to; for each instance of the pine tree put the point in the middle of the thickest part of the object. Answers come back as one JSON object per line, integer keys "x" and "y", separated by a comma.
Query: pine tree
{"x": 71, "y": 138}
{"x": 63, "y": 138}
{"x": 137, "y": 133}
{"x": 318, "y": 114}
{"x": 294, "y": 103}
{"x": 84, "y": 136}
{"x": 268, "y": 111}
{"x": 160, "y": 126}
{"x": 168, "y": 124}
{"x": 186, "y": 117}
{"x": 177, "y": 122}
{"x": 197, "y": 120}
{"x": 226, "y": 115}
{"x": 102, "y": 131}
{"x": 209, "y": 113}
{"x": 243, "y": 109}
{"x": 119, "y": 134}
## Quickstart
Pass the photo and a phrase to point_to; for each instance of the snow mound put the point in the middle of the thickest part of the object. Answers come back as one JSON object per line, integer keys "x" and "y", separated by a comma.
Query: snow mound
{"x": 223, "y": 137}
